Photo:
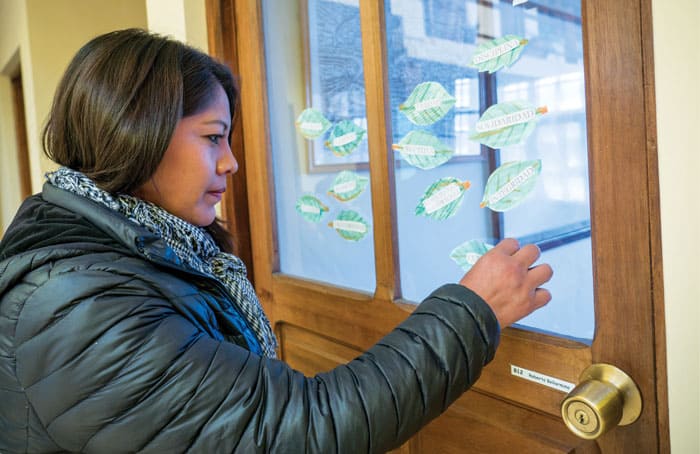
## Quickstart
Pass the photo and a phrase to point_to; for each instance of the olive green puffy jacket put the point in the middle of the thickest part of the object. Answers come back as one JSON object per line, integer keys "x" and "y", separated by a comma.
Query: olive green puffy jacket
{"x": 109, "y": 344}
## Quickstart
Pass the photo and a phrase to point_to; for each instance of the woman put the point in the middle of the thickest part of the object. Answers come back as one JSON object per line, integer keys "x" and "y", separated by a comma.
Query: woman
{"x": 126, "y": 324}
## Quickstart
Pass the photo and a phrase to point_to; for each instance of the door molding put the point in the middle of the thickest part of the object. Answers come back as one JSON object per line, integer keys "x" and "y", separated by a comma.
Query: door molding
{"x": 621, "y": 119}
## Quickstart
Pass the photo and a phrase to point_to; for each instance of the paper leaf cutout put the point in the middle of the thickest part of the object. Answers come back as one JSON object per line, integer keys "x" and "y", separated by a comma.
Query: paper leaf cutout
{"x": 467, "y": 253}
{"x": 428, "y": 103}
{"x": 347, "y": 186}
{"x": 311, "y": 123}
{"x": 498, "y": 53}
{"x": 423, "y": 150}
{"x": 509, "y": 184}
{"x": 344, "y": 138}
{"x": 506, "y": 123}
{"x": 442, "y": 198}
{"x": 310, "y": 208}
{"x": 350, "y": 225}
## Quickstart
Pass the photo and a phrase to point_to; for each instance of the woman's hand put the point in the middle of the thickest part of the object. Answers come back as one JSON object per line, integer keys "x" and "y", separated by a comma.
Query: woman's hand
{"x": 505, "y": 279}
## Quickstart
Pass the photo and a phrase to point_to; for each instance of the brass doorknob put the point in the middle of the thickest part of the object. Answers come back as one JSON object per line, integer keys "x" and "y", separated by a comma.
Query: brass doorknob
{"x": 604, "y": 398}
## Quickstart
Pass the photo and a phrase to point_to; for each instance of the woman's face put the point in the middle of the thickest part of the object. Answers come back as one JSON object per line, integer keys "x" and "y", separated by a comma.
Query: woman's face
{"x": 191, "y": 178}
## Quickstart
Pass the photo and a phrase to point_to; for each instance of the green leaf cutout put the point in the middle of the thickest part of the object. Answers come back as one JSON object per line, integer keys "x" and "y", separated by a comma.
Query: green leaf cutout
{"x": 310, "y": 208}
{"x": 344, "y": 138}
{"x": 442, "y": 198}
{"x": 498, "y": 53}
{"x": 423, "y": 150}
{"x": 466, "y": 254}
{"x": 311, "y": 123}
{"x": 428, "y": 103}
{"x": 509, "y": 184}
{"x": 350, "y": 225}
{"x": 347, "y": 186}
{"x": 507, "y": 123}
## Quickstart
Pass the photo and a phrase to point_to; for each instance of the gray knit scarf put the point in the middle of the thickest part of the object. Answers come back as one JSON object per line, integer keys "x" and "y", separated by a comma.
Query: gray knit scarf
{"x": 192, "y": 244}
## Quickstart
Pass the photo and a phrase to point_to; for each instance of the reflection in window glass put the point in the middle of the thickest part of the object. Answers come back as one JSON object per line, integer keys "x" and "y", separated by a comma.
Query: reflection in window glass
{"x": 434, "y": 41}
{"x": 335, "y": 71}
{"x": 322, "y": 195}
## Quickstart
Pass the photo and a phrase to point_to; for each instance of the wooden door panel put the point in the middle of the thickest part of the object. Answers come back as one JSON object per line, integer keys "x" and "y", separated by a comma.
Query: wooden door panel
{"x": 537, "y": 428}
{"x": 352, "y": 318}
{"x": 310, "y": 353}
{"x": 320, "y": 326}
{"x": 620, "y": 113}
{"x": 477, "y": 421}
{"x": 561, "y": 360}
{"x": 480, "y": 424}
{"x": 321, "y": 309}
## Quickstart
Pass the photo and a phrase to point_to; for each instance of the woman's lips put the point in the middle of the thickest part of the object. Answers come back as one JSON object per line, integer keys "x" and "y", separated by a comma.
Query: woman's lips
{"x": 217, "y": 194}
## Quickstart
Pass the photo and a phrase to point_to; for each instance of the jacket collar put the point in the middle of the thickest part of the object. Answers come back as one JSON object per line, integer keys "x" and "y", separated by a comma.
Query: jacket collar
{"x": 136, "y": 238}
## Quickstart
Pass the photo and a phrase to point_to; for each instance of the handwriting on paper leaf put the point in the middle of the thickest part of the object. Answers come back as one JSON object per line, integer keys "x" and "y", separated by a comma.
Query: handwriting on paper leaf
{"x": 507, "y": 123}
{"x": 311, "y": 123}
{"x": 345, "y": 137}
{"x": 423, "y": 150}
{"x": 427, "y": 103}
{"x": 310, "y": 208}
{"x": 509, "y": 184}
{"x": 498, "y": 53}
{"x": 442, "y": 199}
{"x": 350, "y": 225}
{"x": 347, "y": 185}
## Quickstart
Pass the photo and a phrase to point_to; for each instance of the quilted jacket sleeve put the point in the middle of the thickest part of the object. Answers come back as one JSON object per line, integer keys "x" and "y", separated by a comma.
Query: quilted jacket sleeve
{"x": 119, "y": 369}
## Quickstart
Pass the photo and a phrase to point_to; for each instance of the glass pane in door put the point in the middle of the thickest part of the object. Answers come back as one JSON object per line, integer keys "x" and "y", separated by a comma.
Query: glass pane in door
{"x": 489, "y": 137}
{"x": 318, "y": 125}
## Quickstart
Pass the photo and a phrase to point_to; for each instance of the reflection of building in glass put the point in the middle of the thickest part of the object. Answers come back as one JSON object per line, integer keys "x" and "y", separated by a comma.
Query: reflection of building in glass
{"x": 434, "y": 40}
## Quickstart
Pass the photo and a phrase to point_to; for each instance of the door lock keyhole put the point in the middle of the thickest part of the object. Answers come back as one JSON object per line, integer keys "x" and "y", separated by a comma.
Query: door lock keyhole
{"x": 581, "y": 417}
{"x": 605, "y": 398}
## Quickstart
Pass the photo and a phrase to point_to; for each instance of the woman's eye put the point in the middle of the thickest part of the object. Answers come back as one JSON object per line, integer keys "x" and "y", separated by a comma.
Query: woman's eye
{"x": 214, "y": 138}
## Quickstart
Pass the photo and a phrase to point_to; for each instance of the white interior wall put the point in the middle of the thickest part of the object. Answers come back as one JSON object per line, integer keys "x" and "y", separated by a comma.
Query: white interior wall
{"x": 43, "y": 36}
{"x": 677, "y": 70}
{"x": 13, "y": 30}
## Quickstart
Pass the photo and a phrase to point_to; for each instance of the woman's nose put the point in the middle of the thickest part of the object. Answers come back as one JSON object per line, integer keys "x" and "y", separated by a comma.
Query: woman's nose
{"x": 227, "y": 163}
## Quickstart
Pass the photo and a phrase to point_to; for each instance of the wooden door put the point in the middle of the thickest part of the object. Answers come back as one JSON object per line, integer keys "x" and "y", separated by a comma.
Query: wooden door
{"x": 320, "y": 325}
{"x": 25, "y": 183}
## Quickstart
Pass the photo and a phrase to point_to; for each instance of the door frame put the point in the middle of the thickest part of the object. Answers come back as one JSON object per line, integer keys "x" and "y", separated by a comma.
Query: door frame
{"x": 621, "y": 120}
{"x": 25, "y": 180}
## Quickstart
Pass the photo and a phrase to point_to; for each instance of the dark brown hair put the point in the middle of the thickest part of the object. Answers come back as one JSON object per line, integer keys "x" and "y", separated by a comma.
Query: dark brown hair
{"x": 119, "y": 101}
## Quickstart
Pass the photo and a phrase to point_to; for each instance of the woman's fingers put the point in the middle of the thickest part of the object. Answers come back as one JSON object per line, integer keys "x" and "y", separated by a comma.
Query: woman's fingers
{"x": 538, "y": 275}
{"x": 528, "y": 254}
{"x": 507, "y": 246}
{"x": 542, "y": 297}
{"x": 507, "y": 280}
